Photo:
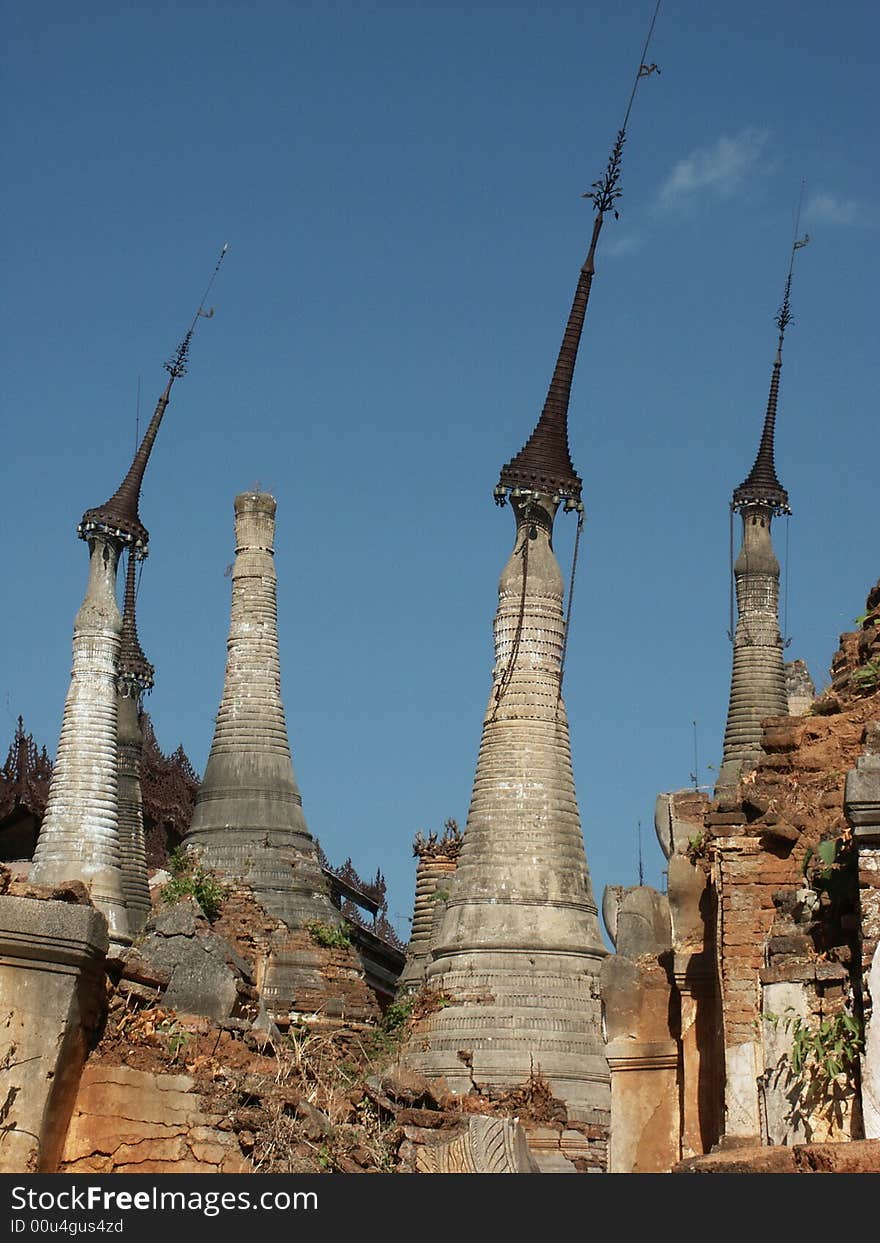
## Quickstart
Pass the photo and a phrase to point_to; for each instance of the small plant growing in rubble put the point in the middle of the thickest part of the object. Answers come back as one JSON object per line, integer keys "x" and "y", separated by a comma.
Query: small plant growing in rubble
{"x": 176, "y": 1037}
{"x": 190, "y": 879}
{"x": 697, "y": 847}
{"x": 831, "y": 870}
{"x": 396, "y": 1015}
{"x": 820, "y": 1053}
{"x": 820, "y": 1069}
{"x": 867, "y": 676}
{"x": 829, "y": 1050}
{"x": 331, "y": 936}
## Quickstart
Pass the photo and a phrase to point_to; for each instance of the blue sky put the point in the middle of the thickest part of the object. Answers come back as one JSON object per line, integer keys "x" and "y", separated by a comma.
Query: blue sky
{"x": 400, "y": 186}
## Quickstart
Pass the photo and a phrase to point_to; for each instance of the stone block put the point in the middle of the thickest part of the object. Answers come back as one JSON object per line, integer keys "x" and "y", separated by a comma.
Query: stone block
{"x": 488, "y": 1146}
{"x": 52, "y": 995}
{"x": 678, "y": 817}
{"x": 643, "y": 923}
{"x": 871, "y": 1057}
{"x": 203, "y": 970}
{"x": 645, "y": 1110}
{"x": 688, "y": 895}
{"x": 130, "y": 1121}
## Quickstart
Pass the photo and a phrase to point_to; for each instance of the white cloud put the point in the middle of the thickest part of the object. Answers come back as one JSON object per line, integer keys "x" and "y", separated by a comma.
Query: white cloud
{"x": 720, "y": 169}
{"x": 825, "y": 208}
{"x": 624, "y": 244}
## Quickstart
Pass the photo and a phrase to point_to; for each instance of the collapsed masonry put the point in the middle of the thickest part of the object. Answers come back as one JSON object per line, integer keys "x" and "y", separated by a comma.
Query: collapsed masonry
{"x": 742, "y": 1003}
{"x": 770, "y": 941}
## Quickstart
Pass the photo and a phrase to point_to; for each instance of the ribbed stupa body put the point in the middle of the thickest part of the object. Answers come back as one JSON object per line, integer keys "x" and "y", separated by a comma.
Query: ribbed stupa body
{"x": 436, "y": 869}
{"x": 79, "y": 838}
{"x": 132, "y": 844}
{"x": 248, "y": 821}
{"x": 757, "y": 685}
{"x": 518, "y": 950}
{"x": 135, "y": 676}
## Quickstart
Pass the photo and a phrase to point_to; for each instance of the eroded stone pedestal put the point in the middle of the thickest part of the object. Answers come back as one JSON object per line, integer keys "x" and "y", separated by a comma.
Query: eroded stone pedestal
{"x": 642, "y": 1051}
{"x": 51, "y": 995}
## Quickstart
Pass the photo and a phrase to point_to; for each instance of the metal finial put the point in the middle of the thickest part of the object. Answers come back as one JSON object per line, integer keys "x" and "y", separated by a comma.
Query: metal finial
{"x": 783, "y": 315}
{"x": 605, "y": 191}
{"x": 544, "y": 464}
{"x": 119, "y": 516}
{"x": 177, "y": 364}
{"x": 761, "y": 485}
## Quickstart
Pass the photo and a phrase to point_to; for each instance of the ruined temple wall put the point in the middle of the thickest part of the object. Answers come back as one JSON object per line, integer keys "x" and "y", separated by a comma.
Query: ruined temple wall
{"x": 129, "y": 1121}
{"x": 782, "y": 950}
{"x": 746, "y": 878}
{"x": 51, "y": 1000}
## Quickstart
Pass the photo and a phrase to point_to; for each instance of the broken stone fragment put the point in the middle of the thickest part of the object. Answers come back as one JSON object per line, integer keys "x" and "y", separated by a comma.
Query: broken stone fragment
{"x": 488, "y": 1146}
{"x": 316, "y": 1125}
{"x": 643, "y": 924}
{"x": 205, "y": 974}
{"x": 183, "y": 919}
{"x": 780, "y": 832}
{"x": 140, "y": 970}
{"x": 404, "y": 1085}
{"x": 686, "y": 890}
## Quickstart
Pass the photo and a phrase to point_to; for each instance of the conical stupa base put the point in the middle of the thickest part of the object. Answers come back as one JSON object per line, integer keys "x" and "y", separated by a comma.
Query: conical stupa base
{"x": 248, "y": 824}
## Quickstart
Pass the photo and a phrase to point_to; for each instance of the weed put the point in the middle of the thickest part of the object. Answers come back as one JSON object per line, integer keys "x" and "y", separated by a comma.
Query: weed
{"x": 697, "y": 847}
{"x": 190, "y": 880}
{"x": 331, "y": 936}
{"x": 831, "y": 869}
{"x": 397, "y": 1015}
{"x": 176, "y": 1038}
{"x": 821, "y": 1067}
{"x": 867, "y": 676}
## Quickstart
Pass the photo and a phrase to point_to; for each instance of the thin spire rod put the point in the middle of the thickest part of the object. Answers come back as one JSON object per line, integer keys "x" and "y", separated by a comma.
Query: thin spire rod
{"x": 643, "y": 70}
{"x": 783, "y": 315}
{"x": 605, "y": 191}
{"x": 176, "y": 366}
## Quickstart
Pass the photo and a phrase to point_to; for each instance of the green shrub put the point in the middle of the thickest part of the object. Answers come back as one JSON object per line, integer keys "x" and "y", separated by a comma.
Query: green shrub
{"x": 397, "y": 1014}
{"x": 822, "y": 1050}
{"x": 190, "y": 880}
{"x": 867, "y": 676}
{"x": 331, "y": 936}
{"x": 697, "y": 847}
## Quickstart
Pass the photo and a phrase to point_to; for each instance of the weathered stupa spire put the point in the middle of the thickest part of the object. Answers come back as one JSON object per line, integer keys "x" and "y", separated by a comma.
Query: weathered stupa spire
{"x": 757, "y": 687}
{"x": 119, "y": 517}
{"x": 544, "y": 462}
{"x": 134, "y": 680}
{"x": 248, "y": 820}
{"x": 79, "y": 838}
{"x": 518, "y": 950}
